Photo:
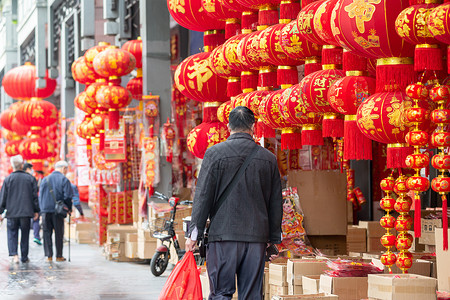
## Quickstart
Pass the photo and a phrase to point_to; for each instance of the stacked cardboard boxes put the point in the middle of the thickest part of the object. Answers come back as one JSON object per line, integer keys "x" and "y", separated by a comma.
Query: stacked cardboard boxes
{"x": 401, "y": 287}
{"x": 115, "y": 247}
{"x": 146, "y": 244}
{"x": 348, "y": 288}
{"x": 131, "y": 245}
{"x": 297, "y": 268}
{"x": 82, "y": 231}
{"x": 356, "y": 239}
{"x": 374, "y": 233}
{"x": 443, "y": 262}
{"x": 278, "y": 284}
{"x": 321, "y": 296}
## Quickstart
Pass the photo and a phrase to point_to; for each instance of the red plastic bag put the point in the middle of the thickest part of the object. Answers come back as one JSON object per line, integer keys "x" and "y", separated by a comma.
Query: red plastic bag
{"x": 184, "y": 281}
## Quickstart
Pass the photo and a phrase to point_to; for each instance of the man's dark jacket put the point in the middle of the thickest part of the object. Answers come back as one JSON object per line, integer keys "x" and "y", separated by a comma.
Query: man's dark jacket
{"x": 61, "y": 189}
{"x": 19, "y": 195}
{"x": 253, "y": 210}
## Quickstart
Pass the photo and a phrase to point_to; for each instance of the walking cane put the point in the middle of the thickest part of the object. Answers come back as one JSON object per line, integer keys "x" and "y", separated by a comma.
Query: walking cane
{"x": 69, "y": 236}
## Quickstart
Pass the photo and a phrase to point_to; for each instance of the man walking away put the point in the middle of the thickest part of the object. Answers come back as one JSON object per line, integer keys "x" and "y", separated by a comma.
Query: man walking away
{"x": 20, "y": 199}
{"x": 62, "y": 191}
{"x": 249, "y": 218}
{"x": 27, "y": 167}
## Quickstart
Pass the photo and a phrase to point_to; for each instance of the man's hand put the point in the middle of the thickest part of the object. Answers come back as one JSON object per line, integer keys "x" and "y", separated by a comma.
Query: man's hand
{"x": 190, "y": 245}
{"x": 1, "y": 218}
{"x": 36, "y": 216}
{"x": 272, "y": 255}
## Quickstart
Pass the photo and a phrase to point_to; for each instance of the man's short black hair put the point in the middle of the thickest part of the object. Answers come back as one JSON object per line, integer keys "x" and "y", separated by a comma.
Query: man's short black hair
{"x": 27, "y": 166}
{"x": 241, "y": 119}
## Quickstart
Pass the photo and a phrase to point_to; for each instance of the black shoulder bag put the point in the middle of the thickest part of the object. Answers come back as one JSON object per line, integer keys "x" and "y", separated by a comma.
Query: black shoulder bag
{"x": 203, "y": 239}
{"x": 60, "y": 208}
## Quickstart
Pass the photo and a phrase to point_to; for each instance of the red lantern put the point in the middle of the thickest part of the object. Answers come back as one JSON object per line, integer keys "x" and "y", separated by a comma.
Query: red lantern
{"x": 195, "y": 79}
{"x": 206, "y": 135}
{"x": 12, "y": 147}
{"x": 6, "y": 118}
{"x": 92, "y": 52}
{"x": 404, "y": 241}
{"x": 37, "y": 112}
{"x": 411, "y": 25}
{"x": 222, "y": 69}
{"x": 114, "y": 63}
{"x": 223, "y": 113}
{"x": 438, "y": 25}
{"x": 305, "y": 23}
{"x": 403, "y": 223}
{"x": 82, "y": 73}
{"x": 441, "y": 184}
{"x": 19, "y": 128}
{"x": 387, "y": 221}
{"x": 404, "y": 261}
{"x": 294, "y": 112}
{"x": 85, "y": 103}
{"x": 418, "y": 183}
{"x": 268, "y": 13}
{"x": 36, "y": 149}
{"x": 20, "y": 83}
{"x": 403, "y": 205}
{"x": 382, "y": 117}
{"x": 113, "y": 98}
{"x": 388, "y": 258}
{"x": 440, "y": 161}
{"x": 191, "y": 15}
{"x": 135, "y": 48}
{"x": 388, "y": 240}
{"x": 387, "y": 203}
{"x": 217, "y": 10}
{"x": 417, "y": 161}
{"x": 135, "y": 87}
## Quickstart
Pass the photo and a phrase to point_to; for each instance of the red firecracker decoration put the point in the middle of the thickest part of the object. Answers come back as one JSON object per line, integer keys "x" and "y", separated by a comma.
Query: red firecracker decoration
{"x": 387, "y": 203}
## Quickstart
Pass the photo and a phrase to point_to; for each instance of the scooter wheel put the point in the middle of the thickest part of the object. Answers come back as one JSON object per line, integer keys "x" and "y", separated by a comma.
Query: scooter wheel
{"x": 159, "y": 263}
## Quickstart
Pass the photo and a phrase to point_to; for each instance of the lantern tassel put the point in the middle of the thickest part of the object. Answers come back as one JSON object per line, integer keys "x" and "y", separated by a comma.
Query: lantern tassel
{"x": 233, "y": 87}
{"x": 353, "y": 62}
{"x": 102, "y": 141}
{"x": 445, "y": 221}
{"x": 291, "y": 140}
{"x": 264, "y": 130}
{"x": 289, "y": 10}
{"x": 113, "y": 117}
{"x": 232, "y": 28}
{"x": 356, "y": 144}
{"x": 249, "y": 80}
{"x": 333, "y": 127}
{"x": 427, "y": 58}
{"x": 213, "y": 40}
{"x": 249, "y": 20}
{"x": 267, "y": 78}
{"x": 287, "y": 75}
{"x": 417, "y": 216}
{"x": 268, "y": 16}
{"x": 332, "y": 55}
{"x": 311, "y": 67}
{"x": 396, "y": 155}
{"x": 312, "y": 136}
{"x": 391, "y": 78}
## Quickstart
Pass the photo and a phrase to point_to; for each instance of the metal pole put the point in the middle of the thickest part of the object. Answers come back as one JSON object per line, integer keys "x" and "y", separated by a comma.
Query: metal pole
{"x": 155, "y": 34}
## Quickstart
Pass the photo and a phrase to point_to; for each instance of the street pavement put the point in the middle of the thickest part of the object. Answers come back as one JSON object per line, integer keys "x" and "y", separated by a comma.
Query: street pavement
{"x": 87, "y": 276}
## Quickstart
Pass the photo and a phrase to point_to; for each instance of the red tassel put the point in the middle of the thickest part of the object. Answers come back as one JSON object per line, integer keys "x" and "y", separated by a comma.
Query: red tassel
{"x": 232, "y": 28}
{"x": 267, "y": 78}
{"x": 445, "y": 221}
{"x": 332, "y": 55}
{"x": 356, "y": 144}
{"x": 391, "y": 78}
{"x": 234, "y": 87}
{"x": 396, "y": 156}
{"x": 287, "y": 75}
{"x": 249, "y": 80}
{"x": 264, "y": 130}
{"x": 333, "y": 127}
{"x": 113, "y": 117}
{"x": 289, "y": 10}
{"x": 249, "y": 20}
{"x": 102, "y": 141}
{"x": 417, "y": 216}
{"x": 353, "y": 62}
{"x": 428, "y": 58}
{"x": 312, "y": 135}
{"x": 38, "y": 165}
{"x": 268, "y": 16}
{"x": 213, "y": 40}
{"x": 210, "y": 112}
{"x": 313, "y": 66}
{"x": 290, "y": 139}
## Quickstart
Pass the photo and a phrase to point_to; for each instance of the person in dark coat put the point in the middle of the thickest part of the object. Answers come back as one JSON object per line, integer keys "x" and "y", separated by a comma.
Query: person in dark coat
{"x": 62, "y": 191}
{"x": 19, "y": 197}
{"x": 28, "y": 167}
{"x": 248, "y": 221}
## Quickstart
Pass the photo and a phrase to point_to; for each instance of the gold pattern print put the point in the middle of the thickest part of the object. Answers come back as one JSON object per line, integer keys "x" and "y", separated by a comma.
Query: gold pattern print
{"x": 362, "y": 11}
{"x": 38, "y": 112}
{"x": 397, "y": 117}
{"x": 34, "y": 148}
{"x": 366, "y": 119}
{"x": 177, "y": 79}
{"x": 201, "y": 72}
{"x": 177, "y": 6}
{"x": 402, "y": 22}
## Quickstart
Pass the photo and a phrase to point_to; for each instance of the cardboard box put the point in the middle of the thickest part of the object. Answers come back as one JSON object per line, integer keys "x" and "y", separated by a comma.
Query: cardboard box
{"x": 428, "y": 229}
{"x": 145, "y": 235}
{"x": 277, "y": 274}
{"x": 120, "y": 230}
{"x": 443, "y": 262}
{"x": 205, "y": 286}
{"x": 371, "y": 255}
{"x": 416, "y": 245}
{"x": 131, "y": 249}
{"x": 295, "y": 289}
{"x": 321, "y": 296}
{"x": 374, "y": 244}
{"x": 335, "y": 244}
{"x": 146, "y": 249}
{"x": 276, "y": 290}
{"x": 348, "y": 288}
{"x": 132, "y": 237}
{"x": 266, "y": 287}
{"x": 324, "y": 205}
{"x": 373, "y": 228}
{"x": 311, "y": 284}
{"x": 401, "y": 287}
{"x": 297, "y": 268}
{"x": 86, "y": 237}
{"x": 356, "y": 239}
{"x": 419, "y": 267}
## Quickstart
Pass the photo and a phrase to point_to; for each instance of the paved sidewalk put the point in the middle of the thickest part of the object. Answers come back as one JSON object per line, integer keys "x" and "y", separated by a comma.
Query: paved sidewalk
{"x": 87, "y": 276}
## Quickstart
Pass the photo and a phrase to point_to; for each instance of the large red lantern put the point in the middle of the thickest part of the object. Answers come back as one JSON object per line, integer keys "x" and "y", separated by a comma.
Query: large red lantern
{"x": 135, "y": 48}
{"x": 314, "y": 90}
{"x": 294, "y": 112}
{"x": 82, "y": 73}
{"x": 345, "y": 96}
{"x": 92, "y": 52}
{"x": 305, "y": 22}
{"x": 38, "y": 113}
{"x": 268, "y": 12}
{"x": 114, "y": 63}
{"x": 195, "y": 79}
{"x": 135, "y": 87}
{"x": 221, "y": 68}
{"x": 6, "y": 118}
{"x": 382, "y": 117}
{"x": 217, "y": 10}
{"x": 12, "y": 147}
{"x": 113, "y": 97}
{"x": 85, "y": 103}
{"x": 20, "y": 83}
{"x": 411, "y": 25}
{"x": 19, "y": 128}
{"x": 36, "y": 149}
{"x": 206, "y": 135}
{"x": 439, "y": 26}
